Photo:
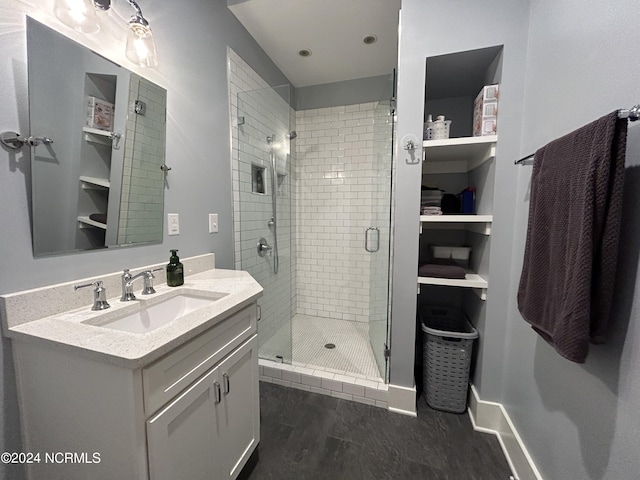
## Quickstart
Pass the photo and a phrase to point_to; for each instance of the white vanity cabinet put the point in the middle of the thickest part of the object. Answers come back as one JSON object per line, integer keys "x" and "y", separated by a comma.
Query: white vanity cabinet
{"x": 191, "y": 414}
{"x": 212, "y": 426}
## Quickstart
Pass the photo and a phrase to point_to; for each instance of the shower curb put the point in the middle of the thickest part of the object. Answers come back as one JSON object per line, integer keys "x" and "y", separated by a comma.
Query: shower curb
{"x": 326, "y": 381}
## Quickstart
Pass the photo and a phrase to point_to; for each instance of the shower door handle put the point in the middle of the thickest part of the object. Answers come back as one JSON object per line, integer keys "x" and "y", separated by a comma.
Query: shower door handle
{"x": 367, "y": 234}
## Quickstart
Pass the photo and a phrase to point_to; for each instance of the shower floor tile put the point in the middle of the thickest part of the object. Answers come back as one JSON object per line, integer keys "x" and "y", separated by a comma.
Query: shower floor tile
{"x": 352, "y": 354}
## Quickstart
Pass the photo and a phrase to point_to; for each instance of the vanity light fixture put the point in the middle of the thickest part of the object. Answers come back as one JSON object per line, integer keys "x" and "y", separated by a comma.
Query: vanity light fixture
{"x": 141, "y": 49}
{"x": 81, "y": 15}
{"x": 77, "y": 14}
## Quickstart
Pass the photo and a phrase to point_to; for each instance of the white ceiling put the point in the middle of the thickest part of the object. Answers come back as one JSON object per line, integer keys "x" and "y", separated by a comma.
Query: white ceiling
{"x": 332, "y": 29}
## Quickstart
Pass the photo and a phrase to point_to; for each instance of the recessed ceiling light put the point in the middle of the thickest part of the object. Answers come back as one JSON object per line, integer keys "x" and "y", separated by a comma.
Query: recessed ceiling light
{"x": 304, "y": 52}
{"x": 369, "y": 39}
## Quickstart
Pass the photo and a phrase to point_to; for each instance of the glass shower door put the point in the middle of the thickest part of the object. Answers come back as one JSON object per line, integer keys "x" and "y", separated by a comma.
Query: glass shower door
{"x": 378, "y": 240}
{"x": 263, "y": 211}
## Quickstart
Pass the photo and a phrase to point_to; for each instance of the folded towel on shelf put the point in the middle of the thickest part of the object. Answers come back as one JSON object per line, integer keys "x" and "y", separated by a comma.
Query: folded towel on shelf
{"x": 430, "y": 196}
{"x": 442, "y": 268}
{"x": 99, "y": 217}
{"x": 566, "y": 286}
{"x": 431, "y": 211}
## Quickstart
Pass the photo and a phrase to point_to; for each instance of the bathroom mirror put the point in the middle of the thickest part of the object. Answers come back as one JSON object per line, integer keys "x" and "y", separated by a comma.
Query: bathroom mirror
{"x": 99, "y": 184}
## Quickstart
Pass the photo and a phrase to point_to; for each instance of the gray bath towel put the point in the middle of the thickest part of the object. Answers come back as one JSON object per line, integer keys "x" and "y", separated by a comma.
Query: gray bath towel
{"x": 566, "y": 286}
{"x": 442, "y": 268}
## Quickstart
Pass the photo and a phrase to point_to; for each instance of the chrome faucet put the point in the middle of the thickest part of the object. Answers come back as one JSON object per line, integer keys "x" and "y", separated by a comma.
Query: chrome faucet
{"x": 127, "y": 283}
{"x": 99, "y": 294}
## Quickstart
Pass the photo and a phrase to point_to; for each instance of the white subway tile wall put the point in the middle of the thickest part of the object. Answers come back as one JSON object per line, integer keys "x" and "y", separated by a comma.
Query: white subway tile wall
{"x": 335, "y": 181}
{"x": 142, "y": 195}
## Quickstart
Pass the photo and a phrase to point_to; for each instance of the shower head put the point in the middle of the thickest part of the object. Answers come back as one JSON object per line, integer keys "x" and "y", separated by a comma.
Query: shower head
{"x": 292, "y": 134}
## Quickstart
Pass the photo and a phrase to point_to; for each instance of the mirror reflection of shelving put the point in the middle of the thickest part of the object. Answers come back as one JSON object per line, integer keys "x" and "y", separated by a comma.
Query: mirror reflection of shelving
{"x": 95, "y": 153}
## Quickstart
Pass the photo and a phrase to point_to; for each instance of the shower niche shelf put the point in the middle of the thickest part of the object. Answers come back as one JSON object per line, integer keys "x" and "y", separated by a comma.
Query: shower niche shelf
{"x": 258, "y": 177}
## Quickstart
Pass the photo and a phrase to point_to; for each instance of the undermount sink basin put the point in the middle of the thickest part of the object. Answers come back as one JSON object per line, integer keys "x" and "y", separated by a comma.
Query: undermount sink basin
{"x": 159, "y": 314}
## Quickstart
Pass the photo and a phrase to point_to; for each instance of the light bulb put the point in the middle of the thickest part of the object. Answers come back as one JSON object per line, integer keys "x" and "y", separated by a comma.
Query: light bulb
{"x": 141, "y": 48}
{"x": 77, "y": 14}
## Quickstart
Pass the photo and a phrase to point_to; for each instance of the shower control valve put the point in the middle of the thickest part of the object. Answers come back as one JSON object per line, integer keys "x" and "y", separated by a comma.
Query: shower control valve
{"x": 263, "y": 247}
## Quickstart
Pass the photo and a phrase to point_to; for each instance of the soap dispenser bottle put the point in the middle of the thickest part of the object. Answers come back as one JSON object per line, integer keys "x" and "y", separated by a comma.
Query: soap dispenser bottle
{"x": 175, "y": 270}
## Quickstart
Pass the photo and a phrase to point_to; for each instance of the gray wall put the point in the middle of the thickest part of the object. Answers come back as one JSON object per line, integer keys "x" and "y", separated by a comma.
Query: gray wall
{"x": 349, "y": 92}
{"x": 580, "y": 422}
{"x": 430, "y": 28}
{"x": 191, "y": 39}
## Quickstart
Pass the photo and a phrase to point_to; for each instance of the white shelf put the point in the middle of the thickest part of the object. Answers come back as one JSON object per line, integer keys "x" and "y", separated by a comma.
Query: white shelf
{"x": 96, "y": 135}
{"x": 88, "y": 182}
{"x": 456, "y": 218}
{"x": 457, "y": 155}
{"x": 476, "y": 223}
{"x": 84, "y": 221}
{"x": 97, "y": 131}
{"x": 471, "y": 280}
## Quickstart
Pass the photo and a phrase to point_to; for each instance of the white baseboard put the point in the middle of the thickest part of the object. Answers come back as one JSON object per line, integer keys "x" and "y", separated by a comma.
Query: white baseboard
{"x": 402, "y": 400}
{"x": 491, "y": 417}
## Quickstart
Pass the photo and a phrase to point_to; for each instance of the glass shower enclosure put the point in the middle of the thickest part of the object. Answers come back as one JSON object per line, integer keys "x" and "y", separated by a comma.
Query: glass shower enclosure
{"x": 263, "y": 211}
{"x": 381, "y": 231}
{"x": 265, "y": 202}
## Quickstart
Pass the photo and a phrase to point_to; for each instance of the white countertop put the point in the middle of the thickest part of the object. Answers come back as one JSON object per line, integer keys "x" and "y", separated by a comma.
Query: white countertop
{"x": 66, "y": 331}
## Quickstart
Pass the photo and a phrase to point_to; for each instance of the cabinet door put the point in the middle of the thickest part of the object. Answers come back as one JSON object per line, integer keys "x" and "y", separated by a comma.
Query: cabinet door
{"x": 182, "y": 437}
{"x": 240, "y": 408}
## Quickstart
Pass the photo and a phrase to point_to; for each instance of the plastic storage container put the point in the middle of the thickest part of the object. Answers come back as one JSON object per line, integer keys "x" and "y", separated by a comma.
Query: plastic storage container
{"x": 447, "y": 347}
{"x": 458, "y": 254}
{"x": 437, "y": 130}
{"x": 468, "y": 201}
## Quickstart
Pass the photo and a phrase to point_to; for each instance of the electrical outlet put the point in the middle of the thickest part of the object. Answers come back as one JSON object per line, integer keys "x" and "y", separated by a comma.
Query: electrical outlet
{"x": 173, "y": 224}
{"x": 213, "y": 223}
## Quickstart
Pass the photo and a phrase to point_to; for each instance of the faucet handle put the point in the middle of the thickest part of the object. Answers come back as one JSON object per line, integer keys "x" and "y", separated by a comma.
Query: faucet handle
{"x": 148, "y": 281}
{"x": 99, "y": 294}
{"x": 127, "y": 289}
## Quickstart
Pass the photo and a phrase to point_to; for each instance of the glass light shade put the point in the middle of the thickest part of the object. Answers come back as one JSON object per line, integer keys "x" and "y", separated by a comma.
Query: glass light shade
{"x": 141, "y": 48}
{"x": 77, "y": 14}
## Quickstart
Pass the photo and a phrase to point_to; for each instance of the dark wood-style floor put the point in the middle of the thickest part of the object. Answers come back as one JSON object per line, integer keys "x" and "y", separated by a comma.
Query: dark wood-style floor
{"x": 307, "y": 436}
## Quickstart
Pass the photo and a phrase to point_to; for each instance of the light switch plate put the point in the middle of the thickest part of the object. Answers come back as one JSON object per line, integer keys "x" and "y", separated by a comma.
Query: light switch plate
{"x": 213, "y": 223}
{"x": 173, "y": 224}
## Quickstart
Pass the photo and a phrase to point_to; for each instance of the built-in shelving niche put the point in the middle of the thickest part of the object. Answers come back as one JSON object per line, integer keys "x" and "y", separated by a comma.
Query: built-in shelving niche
{"x": 461, "y": 161}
